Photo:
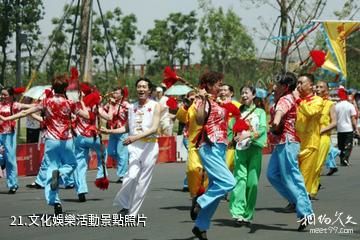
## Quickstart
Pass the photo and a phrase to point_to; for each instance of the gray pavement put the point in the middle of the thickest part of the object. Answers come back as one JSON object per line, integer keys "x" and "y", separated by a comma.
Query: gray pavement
{"x": 167, "y": 210}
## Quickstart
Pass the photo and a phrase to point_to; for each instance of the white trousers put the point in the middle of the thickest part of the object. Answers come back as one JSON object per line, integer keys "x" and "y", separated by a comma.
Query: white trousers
{"x": 142, "y": 159}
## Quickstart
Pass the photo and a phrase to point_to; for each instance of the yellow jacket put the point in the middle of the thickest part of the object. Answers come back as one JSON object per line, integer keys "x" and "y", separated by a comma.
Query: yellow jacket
{"x": 325, "y": 118}
{"x": 189, "y": 118}
{"x": 307, "y": 123}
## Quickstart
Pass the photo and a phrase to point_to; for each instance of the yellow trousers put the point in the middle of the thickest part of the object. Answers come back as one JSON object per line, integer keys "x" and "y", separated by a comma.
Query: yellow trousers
{"x": 230, "y": 155}
{"x": 307, "y": 162}
{"x": 196, "y": 175}
{"x": 323, "y": 151}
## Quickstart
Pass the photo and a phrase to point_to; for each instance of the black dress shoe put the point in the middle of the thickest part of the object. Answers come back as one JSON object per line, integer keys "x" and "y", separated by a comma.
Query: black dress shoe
{"x": 185, "y": 189}
{"x": 55, "y": 180}
{"x": 82, "y": 197}
{"x": 123, "y": 211}
{"x": 57, "y": 209}
{"x": 199, "y": 234}
{"x": 290, "y": 208}
{"x": 120, "y": 180}
{"x": 34, "y": 185}
{"x": 332, "y": 171}
{"x": 70, "y": 186}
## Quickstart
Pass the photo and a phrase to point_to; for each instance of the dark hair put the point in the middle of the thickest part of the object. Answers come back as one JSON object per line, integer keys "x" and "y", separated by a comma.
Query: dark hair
{"x": 60, "y": 83}
{"x": 210, "y": 78}
{"x": 252, "y": 89}
{"x": 231, "y": 88}
{"x": 192, "y": 92}
{"x": 326, "y": 83}
{"x": 9, "y": 89}
{"x": 287, "y": 78}
{"x": 146, "y": 80}
{"x": 309, "y": 76}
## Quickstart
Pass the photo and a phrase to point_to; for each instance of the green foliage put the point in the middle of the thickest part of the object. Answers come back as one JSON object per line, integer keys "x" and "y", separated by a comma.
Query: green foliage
{"x": 171, "y": 39}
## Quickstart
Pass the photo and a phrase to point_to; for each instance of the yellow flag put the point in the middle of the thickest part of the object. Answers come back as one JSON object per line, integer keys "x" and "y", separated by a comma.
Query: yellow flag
{"x": 337, "y": 33}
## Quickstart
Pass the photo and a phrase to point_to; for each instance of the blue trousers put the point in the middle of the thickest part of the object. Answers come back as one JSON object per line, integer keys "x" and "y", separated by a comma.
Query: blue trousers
{"x": 60, "y": 156}
{"x": 119, "y": 152}
{"x": 186, "y": 144}
{"x": 82, "y": 147}
{"x": 284, "y": 174}
{"x": 331, "y": 157}
{"x": 8, "y": 141}
{"x": 41, "y": 177}
{"x": 221, "y": 181}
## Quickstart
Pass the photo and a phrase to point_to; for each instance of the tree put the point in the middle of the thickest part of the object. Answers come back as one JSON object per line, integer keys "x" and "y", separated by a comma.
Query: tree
{"x": 223, "y": 39}
{"x": 171, "y": 39}
{"x": 29, "y": 12}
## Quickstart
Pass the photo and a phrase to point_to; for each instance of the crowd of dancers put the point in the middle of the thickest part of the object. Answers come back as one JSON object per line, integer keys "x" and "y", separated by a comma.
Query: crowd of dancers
{"x": 224, "y": 138}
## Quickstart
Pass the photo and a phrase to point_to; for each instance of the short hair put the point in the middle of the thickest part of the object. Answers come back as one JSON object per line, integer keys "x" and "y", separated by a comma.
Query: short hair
{"x": 192, "y": 92}
{"x": 287, "y": 78}
{"x": 309, "y": 76}
{"x": 231, "y": 88}
{"x": 60, "y": 83}
{"x": 252, "y": 89}
{"x": 146, "y": 80}
{"x": 9, "y": 89}
{"x": 326, "y": 83}
{"x": 210, "y": 78}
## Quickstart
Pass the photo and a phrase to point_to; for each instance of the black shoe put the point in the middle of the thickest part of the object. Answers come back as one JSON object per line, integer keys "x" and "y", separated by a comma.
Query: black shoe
{"x": 290, "y": 208}
{"x": 345, "y": 163}
{"x": 70, "y": 186}
{"x": 3, "y": 167}
{"x": 185, "y": 189}
{"x": 243, "y": 222}
{"x": 319, "y": 187}
{"x": 54, "y": 185}
{"x": 199, "y": 234}
{"x": 34, "y": 185}
{"x": 123, "y": 211}
{"x": 120, "y": 180}
{"x": 82, "y": 197}
{"x": 13, "y": 190}
{"x": 332, "y": 171}
{"x": 195, "y": 209}
{"x": 313, "y": 198}
{"x": 57, "y": 209}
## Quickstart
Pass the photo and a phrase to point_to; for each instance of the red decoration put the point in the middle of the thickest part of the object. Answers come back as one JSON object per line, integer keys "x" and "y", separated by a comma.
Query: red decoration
{"x": 172, "y": 103}
{"x": 19, "y": 90}
{"x": 48, "y": 93}
{"x": 318, "y": 57}
{"x": 85, "y": 88}
{"x": 170, "y": 77}
{"x": 342, "y": 94}
{"x": 241, "y": 125}
{"x": 73, "y": 79}
{"x": 231, "y": 109}
{"x": 92, "y": 99}
{"x": 102, "y": 183}
{"x": 125, "y": 92}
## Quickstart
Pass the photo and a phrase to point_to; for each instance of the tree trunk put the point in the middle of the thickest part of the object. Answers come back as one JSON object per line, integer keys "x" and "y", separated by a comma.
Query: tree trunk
{"x": 85, "y": 40}
{"x": 3, "y": 65}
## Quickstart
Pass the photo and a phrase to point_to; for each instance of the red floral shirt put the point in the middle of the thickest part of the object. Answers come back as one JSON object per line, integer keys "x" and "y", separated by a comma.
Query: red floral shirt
{"x": 7, "y": 109}
{"x": 287, "y": 105}
{"x": 216, "y": 126}
{"x": 57, "y": 120}
{"x": 120, "y": 114}
{"x": 87, "y": 127}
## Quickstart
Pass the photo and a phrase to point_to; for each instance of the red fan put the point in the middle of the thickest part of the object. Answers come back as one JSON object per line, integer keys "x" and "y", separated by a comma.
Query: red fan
{"x": 241, "y": 125}
{"x": 172, "y": 103}
{"x": 125, "y": 92}
{"x": 318, "y": 57}
{"x": 92, "y": 99}
{"x": 170, "y": 77}
{"x": 231, "y": 109}
{"x": 102, "y": 183}
{"x": 85, "y": 88}
{"x": 73, "y": 79}
{"x": 19, "y": 90}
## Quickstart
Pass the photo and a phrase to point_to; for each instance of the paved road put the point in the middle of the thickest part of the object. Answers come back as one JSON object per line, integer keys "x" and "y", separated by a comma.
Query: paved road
{"x": 167, "y": 210}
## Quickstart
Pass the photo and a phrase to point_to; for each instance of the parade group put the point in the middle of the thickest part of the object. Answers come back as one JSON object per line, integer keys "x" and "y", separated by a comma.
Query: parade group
{"x": 225, "y": 140}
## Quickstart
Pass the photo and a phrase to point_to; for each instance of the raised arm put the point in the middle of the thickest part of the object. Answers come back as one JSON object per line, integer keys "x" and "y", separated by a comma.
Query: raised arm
{"x": 21, "y": 114}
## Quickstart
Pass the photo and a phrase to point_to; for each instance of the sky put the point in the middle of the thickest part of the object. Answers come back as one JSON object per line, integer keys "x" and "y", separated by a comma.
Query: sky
{"x": 147, "y": 11}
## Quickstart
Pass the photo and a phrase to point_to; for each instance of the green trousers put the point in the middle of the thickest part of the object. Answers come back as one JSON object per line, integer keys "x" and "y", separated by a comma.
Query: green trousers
{"x": 247, "y": 168}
